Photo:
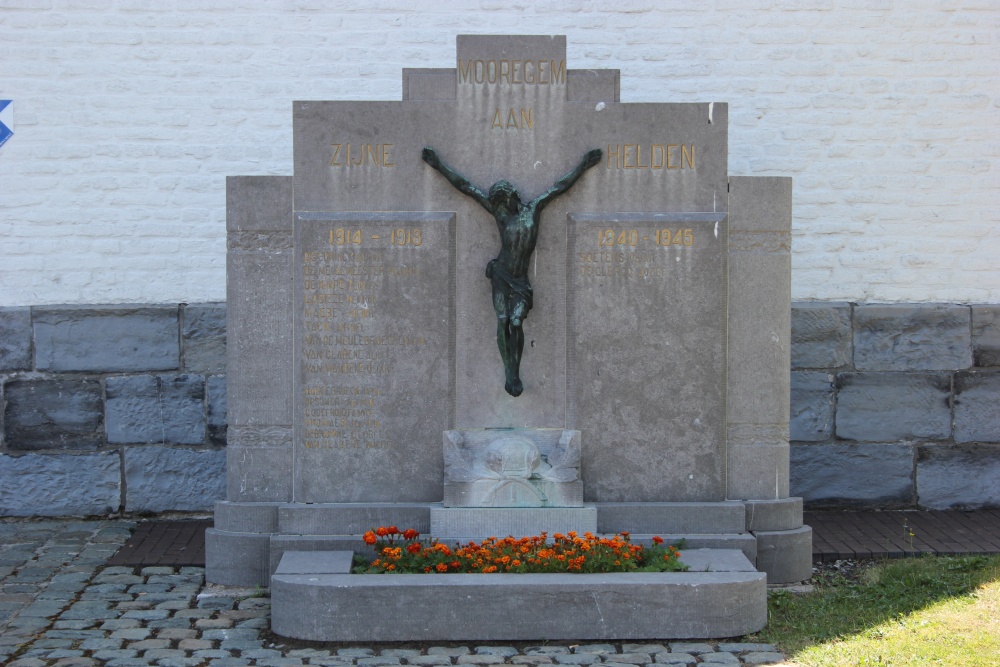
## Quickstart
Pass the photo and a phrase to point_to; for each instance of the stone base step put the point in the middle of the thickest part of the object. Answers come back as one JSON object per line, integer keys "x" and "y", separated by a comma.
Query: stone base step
{"x": 312, "y": 598}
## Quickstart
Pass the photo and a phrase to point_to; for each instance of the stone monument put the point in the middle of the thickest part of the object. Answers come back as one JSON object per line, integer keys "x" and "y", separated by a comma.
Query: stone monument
{"x": 364, "y": 379}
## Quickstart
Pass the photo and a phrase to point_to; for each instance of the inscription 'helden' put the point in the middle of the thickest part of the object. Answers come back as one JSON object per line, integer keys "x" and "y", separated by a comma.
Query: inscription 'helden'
{"x": 650, "y": 156}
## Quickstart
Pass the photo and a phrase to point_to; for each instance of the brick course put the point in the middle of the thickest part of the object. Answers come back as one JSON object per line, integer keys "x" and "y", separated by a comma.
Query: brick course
{"x": 129, "y": 116}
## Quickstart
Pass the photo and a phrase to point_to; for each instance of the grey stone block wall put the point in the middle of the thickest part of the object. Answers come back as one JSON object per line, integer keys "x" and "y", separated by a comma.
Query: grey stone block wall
{"x": 112, "y": 409}
{"x": 895, "y": 405}
{"x": 108, "y": 409}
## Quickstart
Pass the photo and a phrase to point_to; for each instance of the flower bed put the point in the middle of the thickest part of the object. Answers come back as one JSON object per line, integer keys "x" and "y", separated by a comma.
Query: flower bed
{"x": 403, "y": 552}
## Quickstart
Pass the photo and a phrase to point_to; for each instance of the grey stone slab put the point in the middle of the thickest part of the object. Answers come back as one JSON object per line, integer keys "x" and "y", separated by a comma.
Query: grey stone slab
{"x": 351, "y": 518}
{"x": 821, "y": 335}
{"x": 616, "y": 292}
{"x": 740, "y": 647}
{"x": 652, "y": 518}
{"x": 690, "y": 647}
{"x": 879, "y": 475}
{"x": 977, "y": 406}
{"x": 719, "y": 659}
{"x": 106, "y": 338}
{"x": 203, "y": 336}
{"x": 632, "y": 606}
{"x": 903, "y": 337}
{"x": 986, "y": 335}
{"x": 812, "y": 400}
{"x": 512, "y": 468}
{"x": 954, "y": 477}
{"x": 215, "y": 409}
{"x": 716, "y": 560}
{"x": 86, "y": 484}
{"x": 758, "y": 461}
{"x": 758, "y": 346}
{"x": 315, "y": 562}
{"x": 53, "y": 414}
{"x": 763, "y": 657}
{"x": 676, "y": 659}
{"x": 160, "y": 479}
{"x": 364, "y": 348}
{"x": 466, "y": 522}
{"x": 15, "y": 339}
{"x": 596, "y": 85}
{"x": 259, "y": 336}
{"x": 258, "y": 474}
{"x": 247, "y": 517}
{"x": 883, "y": 407}
{"x": 429, "y": 83}
{"x": 156, "y": 408}
{"x": 784, "y": 514}
{"x": 279, "y": 544}
{"x": 785, "y": 555}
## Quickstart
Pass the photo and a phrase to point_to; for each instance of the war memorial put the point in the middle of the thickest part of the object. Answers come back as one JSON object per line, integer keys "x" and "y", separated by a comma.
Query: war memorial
{"x": 508, "y": 304}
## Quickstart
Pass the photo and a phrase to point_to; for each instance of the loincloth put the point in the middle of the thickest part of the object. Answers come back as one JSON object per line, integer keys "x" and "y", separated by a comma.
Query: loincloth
{"x": 508, "y": 285}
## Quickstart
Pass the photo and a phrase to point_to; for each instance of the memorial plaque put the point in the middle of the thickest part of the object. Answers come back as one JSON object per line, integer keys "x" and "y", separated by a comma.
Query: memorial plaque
{"x": 648, "y": 363}
{"x": 656, "y": 289}
{"x": 374, "y": 350}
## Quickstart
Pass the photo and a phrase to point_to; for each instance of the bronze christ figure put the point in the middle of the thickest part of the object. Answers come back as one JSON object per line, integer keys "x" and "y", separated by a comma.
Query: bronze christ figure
{"x": 518, "y": 223}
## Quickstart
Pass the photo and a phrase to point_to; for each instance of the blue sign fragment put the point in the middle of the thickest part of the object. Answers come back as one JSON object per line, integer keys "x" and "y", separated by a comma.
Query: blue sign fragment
{"x": 6, "y": 120}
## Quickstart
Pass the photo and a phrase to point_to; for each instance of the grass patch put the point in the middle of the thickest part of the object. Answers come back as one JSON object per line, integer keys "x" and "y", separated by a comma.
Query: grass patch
{"x": 918, "y": 611}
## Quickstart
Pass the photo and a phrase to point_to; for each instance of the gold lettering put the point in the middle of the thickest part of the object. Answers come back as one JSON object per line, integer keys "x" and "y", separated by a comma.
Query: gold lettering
{"x": 653, "y": 150}
{"x": 529, "y": 76}
{"x": 465, "y": 74}
{"x": 616, "y": 155}
{"x": 638, "y": 158}
{"x": 385, "y": 156}
{"x": 514, "y": 65}
{"x": 687, "y": 158}
{"x": 497, "y": 120}
{"x": 505, "y": 70}
{"x": 336, "y": 152}
{"x": 526, "y": 119}
{"x": 511, "y": 119}
{"x": 558, "y": 71}
{"x": 670, "y": 155}
{"x": 625, "y": 150}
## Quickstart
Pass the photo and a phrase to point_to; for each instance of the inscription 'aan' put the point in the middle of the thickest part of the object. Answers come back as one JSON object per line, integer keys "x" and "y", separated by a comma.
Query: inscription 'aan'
{"x": 522, "y": 72}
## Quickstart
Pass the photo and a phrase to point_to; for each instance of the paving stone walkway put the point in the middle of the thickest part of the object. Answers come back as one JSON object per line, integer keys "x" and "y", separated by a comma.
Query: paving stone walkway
{"x": 62, "y": 605}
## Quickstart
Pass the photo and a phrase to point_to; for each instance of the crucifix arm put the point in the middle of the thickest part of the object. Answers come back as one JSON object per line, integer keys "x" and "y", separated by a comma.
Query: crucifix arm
{"x": 567, "y": 181}
{"x": 461, "y": 183}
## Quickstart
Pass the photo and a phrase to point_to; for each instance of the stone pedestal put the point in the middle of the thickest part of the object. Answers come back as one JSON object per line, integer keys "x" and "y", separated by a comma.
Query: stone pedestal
{"x": 363, "y": 326}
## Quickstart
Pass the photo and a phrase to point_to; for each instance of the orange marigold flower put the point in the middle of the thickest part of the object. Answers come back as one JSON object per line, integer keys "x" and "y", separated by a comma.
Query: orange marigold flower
{"x": 441, "y": 567}
{"x": 390, "y": 566}
{"x": 410, "y": 534}
{"x": 369, "y": 538}
{"x": 515, "y": 563}
{"x": 657, "y": 540}
{"x": 381, "y": 531}
{"x": 490, "y": 568}
{"x": 455, "y": 564}
{"x": 413, "y": 547}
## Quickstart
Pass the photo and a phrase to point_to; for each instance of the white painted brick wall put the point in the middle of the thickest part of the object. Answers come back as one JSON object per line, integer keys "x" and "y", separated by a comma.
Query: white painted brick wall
{"x": 130, "y": 114}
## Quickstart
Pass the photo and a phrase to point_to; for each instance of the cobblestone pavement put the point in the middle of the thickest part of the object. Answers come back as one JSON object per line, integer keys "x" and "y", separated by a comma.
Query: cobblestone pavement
{"x": 61, "y": 605}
